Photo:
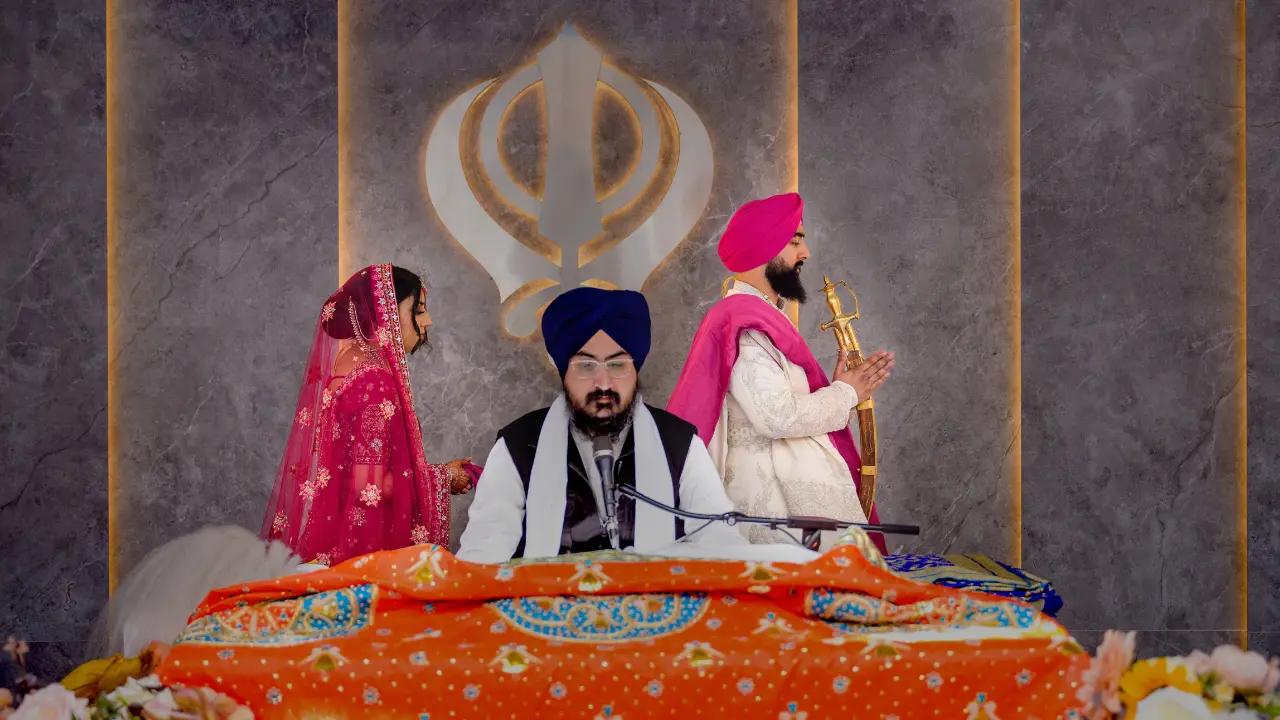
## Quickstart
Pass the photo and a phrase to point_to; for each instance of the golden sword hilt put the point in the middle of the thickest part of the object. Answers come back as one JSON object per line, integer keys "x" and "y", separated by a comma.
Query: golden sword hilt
{"x": 841, "y": 323}
{"x": 848, "y": 341}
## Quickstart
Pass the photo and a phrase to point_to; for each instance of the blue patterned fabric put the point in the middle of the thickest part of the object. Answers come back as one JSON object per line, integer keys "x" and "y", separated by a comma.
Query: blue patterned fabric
{"x": 980, "y": 573}
{"x": 603, "y": 619}
{"x": 295, "y": 621}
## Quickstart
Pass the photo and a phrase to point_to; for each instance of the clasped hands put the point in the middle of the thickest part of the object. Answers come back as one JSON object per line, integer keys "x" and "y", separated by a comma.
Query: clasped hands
{"x": 867, "y": 377}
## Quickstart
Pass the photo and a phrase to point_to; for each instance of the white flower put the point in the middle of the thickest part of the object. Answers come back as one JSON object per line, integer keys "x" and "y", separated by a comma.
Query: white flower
{"x": 54, "y": 702}
{"x": 151, "y": 682}
{"x": 1172, "y": 704}
{"x": 135, "y": 692}
{"x": 162, "y": 707}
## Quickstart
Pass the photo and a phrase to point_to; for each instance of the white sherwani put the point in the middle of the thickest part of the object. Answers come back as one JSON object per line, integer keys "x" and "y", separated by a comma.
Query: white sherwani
{"x": 770, "y": 443}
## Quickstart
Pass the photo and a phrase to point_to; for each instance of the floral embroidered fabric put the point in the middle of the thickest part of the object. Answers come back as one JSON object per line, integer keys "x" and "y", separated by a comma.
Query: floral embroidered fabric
{"x": 418, "y": 633}
{"x": 354, "y": 479}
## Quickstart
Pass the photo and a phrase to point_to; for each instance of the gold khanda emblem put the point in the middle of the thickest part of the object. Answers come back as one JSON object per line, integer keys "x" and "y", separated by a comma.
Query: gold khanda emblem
{"x": 598, "y": 620}
{"x": 760, "y": 572}
{"x": 883, "y": 647}
{"x": 325, "y": 659}
{"x": 429, "y": 566}
{"x": 514, "y": 659}
{"x": 541, "y": 227}
{"x": 699, "y": 654}
{"x": 590, "y": 578}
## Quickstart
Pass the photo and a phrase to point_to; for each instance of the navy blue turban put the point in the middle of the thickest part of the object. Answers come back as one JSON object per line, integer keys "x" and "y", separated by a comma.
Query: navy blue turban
{"x": 576, "y": 316}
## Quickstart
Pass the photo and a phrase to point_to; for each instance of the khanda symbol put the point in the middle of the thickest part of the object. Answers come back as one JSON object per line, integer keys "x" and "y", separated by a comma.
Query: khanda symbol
{"x": 620, "y": 173}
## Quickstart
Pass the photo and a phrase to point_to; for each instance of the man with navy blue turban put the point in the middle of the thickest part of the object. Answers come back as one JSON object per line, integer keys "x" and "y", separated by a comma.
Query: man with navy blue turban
{"x": 541, "y": 493}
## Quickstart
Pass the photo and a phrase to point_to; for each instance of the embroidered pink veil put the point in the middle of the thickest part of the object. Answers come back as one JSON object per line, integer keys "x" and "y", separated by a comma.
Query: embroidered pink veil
{"x": 354, "y": 478}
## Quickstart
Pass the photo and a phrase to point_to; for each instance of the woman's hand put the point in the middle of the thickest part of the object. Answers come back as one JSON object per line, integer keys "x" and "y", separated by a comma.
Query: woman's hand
{"x": 459, "y": 478}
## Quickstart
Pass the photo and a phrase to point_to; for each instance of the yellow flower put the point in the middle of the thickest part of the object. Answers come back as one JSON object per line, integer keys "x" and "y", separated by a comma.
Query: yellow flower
{"x": 1223, "y": 694}
{"x": 99, "y": 677}
{"x": 1147, "y": 676}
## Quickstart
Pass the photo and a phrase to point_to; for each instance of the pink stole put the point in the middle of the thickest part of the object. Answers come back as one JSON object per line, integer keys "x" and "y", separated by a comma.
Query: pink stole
{"x": 704, "y": 382}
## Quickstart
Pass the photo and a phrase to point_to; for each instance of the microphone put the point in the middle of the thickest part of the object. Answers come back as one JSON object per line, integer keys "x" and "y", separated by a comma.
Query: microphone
{"x": 602, "y": 453}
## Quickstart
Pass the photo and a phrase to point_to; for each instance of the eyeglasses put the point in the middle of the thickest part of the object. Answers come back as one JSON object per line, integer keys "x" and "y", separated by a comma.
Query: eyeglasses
{"x": 585, "y": 369}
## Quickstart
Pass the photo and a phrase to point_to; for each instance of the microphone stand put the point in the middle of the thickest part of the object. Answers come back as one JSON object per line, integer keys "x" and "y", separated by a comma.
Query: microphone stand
{"x": 602, "y": 455}
{"x": 811, "y": 527}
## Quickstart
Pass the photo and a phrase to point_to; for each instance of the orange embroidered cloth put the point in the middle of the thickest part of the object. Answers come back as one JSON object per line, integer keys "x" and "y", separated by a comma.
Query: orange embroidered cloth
{"x": 418, "y": 633}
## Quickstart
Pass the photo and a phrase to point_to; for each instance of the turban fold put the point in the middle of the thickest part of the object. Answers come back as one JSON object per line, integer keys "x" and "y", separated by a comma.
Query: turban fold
{"x": 759, "y": 231}
{"x": 576, "y": 316}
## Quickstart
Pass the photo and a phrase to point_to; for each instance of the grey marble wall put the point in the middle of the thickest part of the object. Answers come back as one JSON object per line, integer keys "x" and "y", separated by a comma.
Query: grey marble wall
{"x": 1263, "y": 88}
{"x": 53, "y": 339}
{"x": 227, "y": 235}
{"x": 227, "y": 239}
{"x": 408, "y": 61}
{"x": 1130, "y": 302}
{"x": 905, "y": 165}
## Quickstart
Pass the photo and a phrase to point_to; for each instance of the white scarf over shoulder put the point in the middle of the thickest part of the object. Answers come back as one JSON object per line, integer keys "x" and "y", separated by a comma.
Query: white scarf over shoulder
{"x": 549, "y": 483}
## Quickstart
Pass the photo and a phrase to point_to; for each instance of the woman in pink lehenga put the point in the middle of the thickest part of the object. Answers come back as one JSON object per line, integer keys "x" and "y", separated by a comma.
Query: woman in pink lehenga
{"x": 354, "y": 478}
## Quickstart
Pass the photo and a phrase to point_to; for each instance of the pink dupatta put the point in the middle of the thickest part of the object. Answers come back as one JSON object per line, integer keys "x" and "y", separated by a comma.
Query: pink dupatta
{"x": 704, "y": 382}
{"x": 354, "y": 478}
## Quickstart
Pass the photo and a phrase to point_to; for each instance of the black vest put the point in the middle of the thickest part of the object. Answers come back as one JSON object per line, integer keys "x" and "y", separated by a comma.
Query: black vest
{"x": 582, "y": 530}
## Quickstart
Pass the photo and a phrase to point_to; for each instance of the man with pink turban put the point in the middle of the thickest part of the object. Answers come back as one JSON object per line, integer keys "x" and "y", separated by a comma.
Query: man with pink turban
{"x": 777, "y": 428}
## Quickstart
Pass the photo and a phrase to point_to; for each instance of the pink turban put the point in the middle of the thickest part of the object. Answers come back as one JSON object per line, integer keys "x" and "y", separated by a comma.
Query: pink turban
{"x": 760, "y": 230}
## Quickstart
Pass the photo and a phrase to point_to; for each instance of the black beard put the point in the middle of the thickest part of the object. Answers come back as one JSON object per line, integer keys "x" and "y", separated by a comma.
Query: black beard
{"x": 593, "y": 427}
{"x": 786, "y": 280}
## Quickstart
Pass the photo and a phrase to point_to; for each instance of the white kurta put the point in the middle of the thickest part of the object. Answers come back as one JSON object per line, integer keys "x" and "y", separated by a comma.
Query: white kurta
{"x": 501, "y": 510}
{"x": 770, "y": 443}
